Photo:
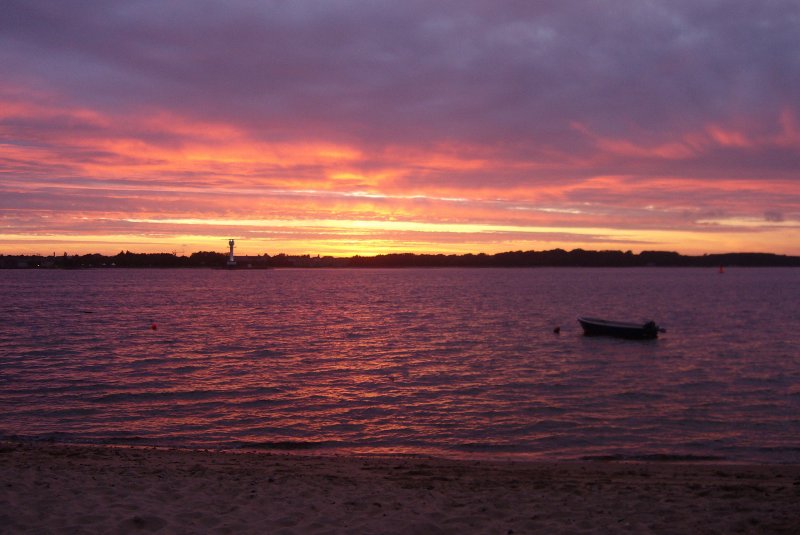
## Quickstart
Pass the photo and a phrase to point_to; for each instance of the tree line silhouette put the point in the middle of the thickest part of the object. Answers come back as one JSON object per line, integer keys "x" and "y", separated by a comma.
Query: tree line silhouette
{"x": 552, "y": 258}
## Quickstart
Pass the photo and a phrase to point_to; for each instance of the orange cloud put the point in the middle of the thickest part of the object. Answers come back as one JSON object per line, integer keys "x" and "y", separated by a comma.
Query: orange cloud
{"x": 161, "y": 181}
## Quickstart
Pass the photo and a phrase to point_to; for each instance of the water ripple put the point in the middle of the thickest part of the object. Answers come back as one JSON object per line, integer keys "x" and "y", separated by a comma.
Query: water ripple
{"x": 450, "y": 362}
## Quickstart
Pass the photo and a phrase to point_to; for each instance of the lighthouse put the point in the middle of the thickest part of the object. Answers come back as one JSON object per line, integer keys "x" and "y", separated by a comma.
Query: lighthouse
{"x": 231, "y": 259}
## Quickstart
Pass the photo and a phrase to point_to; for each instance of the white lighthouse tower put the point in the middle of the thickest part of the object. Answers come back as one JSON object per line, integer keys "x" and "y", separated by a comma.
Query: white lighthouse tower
{"x": 231, "y": 259}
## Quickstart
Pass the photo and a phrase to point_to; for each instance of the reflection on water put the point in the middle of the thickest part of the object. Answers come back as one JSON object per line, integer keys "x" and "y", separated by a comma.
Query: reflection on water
{"x": 453, "y": 362}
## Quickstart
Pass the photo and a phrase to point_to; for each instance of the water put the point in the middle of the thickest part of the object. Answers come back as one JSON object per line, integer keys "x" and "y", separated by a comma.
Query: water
{"x": 452, "y": 362}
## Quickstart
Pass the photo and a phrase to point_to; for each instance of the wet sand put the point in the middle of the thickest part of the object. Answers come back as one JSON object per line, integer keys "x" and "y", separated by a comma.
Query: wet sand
{"x": 53, "y": 488}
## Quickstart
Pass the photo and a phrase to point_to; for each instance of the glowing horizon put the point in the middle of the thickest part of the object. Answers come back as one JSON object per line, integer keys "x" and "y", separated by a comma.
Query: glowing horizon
{"x": 305, "y": 129}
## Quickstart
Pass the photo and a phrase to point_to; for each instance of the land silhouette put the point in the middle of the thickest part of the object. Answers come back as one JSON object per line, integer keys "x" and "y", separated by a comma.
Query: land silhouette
{"x": 551, "y": 258}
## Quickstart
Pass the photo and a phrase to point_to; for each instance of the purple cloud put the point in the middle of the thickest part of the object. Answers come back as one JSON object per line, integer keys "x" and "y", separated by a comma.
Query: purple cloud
{"x": 397, "y": 72}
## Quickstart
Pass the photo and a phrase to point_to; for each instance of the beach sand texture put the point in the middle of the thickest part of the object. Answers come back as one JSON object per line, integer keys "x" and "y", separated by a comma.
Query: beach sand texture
{"x": 52, "y": 488}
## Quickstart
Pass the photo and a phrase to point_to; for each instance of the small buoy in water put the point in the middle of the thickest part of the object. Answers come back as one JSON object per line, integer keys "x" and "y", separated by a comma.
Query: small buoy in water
{"x": 721, "y": 269}
{"x": 153, "y": 326}
{"x": 557, "y": 330}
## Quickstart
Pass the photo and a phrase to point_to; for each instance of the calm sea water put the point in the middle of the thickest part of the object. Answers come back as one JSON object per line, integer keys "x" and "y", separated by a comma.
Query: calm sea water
{"x": 453, "y": 362}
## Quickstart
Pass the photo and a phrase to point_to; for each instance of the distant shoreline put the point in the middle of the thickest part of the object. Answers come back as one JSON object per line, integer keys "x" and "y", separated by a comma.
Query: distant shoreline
{"x": 552, "y": 258}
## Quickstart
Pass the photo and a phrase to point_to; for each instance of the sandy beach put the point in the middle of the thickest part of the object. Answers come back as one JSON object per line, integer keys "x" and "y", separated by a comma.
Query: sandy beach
{"x": 52, "y": 488}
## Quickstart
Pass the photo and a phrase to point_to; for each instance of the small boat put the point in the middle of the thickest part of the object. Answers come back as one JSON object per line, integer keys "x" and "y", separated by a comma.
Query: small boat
{"x": 620, "y": 329}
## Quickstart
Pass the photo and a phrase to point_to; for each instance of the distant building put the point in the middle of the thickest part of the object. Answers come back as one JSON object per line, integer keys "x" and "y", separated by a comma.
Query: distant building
{"x": 231, "y": 259}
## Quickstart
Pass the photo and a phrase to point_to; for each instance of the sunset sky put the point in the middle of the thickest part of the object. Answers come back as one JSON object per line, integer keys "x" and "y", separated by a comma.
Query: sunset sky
{"x": 365, "y": 127}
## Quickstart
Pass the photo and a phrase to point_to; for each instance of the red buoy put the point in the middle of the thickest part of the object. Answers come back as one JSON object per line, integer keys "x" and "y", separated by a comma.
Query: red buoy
{"x": 154, "y": 326}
